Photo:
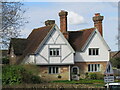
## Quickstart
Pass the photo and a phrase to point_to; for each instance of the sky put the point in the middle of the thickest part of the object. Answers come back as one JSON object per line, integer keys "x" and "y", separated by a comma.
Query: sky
{"x": 79, "y": 17}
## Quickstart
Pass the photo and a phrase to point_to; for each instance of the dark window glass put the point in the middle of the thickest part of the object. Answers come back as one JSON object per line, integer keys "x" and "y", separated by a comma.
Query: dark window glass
{"x": 92, "y": 67}
{"x": 95, "y": 67}
{"x": 54, "y": 52}
{"x": 97, "y": 52}
{"x": 93, "y": 51}
{"x": 50, "y": 52}
{"x": 89, "y": 51}
{"x": 57, "y": 51}
{"x": 56, "y": 69}
{"x": 53, "y": 69}
{"x": 50, "y": 70}
{"x": 88, "y": 67}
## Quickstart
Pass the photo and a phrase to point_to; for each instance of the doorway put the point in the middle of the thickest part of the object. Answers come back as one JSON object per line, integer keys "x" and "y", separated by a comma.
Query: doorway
{"x": 75, "y": 73}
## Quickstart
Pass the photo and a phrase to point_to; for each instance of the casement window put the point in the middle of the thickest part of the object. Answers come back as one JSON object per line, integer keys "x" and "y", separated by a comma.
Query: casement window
{"x": 54, "y": 51}
{"x": 53, "y": 70}
{"x": 93, "y": 67}
{"x": 93, "y": 51}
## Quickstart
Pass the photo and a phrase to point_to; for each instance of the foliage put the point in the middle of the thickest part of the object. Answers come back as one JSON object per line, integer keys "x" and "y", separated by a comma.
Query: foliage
{"x": 17, "y": 74}
{"x": 5, "y": 60}
{"x": 95, "y": 75}
{"x": 11, "y": 75}
{"x": 115, "y": 62}
{"x": 92, "y": 75}
{"x": 12, "y": 20}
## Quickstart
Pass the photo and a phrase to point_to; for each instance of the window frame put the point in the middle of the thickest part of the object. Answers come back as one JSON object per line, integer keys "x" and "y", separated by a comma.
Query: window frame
{"x": 93, "y": 51}
{"x": 54, "y": 52}
{"x": 94, "y": 68}
{"x": 53, "y": 70}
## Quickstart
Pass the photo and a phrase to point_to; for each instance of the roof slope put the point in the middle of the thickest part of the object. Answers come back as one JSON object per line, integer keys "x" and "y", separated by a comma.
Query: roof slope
{"x": 19, "y": 45}
{"x": 36, "y": 37}
{"x": 78, "y": 39}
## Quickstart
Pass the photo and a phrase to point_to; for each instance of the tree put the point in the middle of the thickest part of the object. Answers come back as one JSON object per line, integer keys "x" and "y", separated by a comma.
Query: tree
{"x": 12, "y": 21}
{"x": 115, "y": 62}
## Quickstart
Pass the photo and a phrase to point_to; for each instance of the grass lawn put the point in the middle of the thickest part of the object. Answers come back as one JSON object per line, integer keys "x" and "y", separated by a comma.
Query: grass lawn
{"x": 81, "y": 81}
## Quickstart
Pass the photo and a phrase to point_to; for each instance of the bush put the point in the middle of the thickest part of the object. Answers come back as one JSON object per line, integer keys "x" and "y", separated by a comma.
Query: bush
{"x": 17, "y": 74}
{"x": 115, "y": 62}
{"x": 92, "y": 75}
{"x": 5, "y": 60}
{"x": 11, "y": 75}
{"x": 95, "y": 75}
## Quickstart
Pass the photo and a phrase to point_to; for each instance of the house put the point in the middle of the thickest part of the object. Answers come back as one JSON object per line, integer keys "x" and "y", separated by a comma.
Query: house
{"x": 115, "y": 54}
{"x": 61, "y": 54}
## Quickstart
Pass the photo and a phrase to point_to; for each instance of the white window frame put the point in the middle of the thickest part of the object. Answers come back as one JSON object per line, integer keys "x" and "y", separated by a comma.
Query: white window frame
{"x": 54, "y": 50}
{"x": 53, "y": 67}
{"x": 91, "y": 67}
{"x": 90, "y": 50}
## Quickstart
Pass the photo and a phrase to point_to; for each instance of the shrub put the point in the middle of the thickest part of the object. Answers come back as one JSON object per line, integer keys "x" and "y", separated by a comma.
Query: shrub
{"x": 92, "y": 75}
{"x": 17, "y": 74}
{"x": 96, "y": 75}
{"x": 11, "y": 75}
{"x": 5, "y": 60}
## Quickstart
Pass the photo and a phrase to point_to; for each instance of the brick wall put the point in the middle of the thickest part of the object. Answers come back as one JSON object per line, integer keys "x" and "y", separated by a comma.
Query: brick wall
{"x": 84, "y": 66}
{"x": 63, "y": 72}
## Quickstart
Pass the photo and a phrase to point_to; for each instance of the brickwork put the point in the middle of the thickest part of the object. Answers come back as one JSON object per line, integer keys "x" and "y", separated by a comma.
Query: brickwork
{"x": 63, "y": 72}
{"x": 63, "y": 23}
{"x": 83, "y": 66}
{"x": 98, "y": 22}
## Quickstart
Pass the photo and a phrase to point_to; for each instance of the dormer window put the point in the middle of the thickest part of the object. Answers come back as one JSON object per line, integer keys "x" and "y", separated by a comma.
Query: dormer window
{"x": 54, "y": 52}
{"x": 93, "y": 51}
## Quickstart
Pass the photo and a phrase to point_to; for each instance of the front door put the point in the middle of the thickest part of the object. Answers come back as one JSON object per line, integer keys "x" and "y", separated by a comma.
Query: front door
{"x": 75, "y": 73}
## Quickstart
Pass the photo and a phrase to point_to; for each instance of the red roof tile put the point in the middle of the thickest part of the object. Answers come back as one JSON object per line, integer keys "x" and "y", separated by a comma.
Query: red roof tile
{"x": 36, "y": 37}
{"x": 77, "y": 39}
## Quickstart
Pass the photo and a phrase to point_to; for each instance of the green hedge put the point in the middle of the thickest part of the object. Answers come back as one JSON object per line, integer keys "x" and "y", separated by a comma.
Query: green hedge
{"x": 14, "y": 74}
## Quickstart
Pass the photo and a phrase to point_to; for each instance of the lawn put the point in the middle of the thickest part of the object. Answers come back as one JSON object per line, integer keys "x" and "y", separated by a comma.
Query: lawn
{"x": 89, "y": 82}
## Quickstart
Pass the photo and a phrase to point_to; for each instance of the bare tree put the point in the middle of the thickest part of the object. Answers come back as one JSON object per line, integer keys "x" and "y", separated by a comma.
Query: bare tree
{"x": 12, "y": 21}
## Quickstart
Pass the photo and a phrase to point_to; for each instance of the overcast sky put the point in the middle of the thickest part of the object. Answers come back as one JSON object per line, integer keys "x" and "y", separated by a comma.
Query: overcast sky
{"x": 79, "y": 17}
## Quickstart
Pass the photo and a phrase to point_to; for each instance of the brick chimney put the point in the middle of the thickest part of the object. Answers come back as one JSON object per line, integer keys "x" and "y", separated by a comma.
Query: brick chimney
{"x": 98, "y": 22}
{"x": 63, "y": 23}
{"x": 49, "y": 22}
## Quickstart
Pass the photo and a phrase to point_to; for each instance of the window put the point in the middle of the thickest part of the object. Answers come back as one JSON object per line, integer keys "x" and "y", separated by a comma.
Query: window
{"x": 93, "y": 51}
{"x": 93, "y": 67}
{"x": 53, "y": 70}
{"x": 54, "y": 52}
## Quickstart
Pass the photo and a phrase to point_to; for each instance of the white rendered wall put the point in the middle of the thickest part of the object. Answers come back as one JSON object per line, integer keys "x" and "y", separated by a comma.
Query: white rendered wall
{"x": 95, "y": 43}
{"x": 54, "y": 41}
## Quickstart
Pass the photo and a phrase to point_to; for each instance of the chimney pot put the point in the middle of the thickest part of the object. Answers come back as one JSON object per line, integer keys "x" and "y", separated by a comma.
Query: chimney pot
{"x": 49, "y": 22}
{"x": 97, "y": 14}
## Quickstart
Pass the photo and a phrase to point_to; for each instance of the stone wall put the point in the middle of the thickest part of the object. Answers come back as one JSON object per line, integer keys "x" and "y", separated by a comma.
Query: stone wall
{"x": 83, "y": 66}
{"x": 63, "y": 72}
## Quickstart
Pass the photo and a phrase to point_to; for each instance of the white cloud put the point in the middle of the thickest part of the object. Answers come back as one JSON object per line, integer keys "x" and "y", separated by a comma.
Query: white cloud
{"x": 75, "y": 18}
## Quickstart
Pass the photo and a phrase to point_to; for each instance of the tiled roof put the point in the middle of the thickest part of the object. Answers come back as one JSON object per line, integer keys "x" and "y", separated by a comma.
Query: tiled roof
{"x": 34, "y": 40}
{"x": 36, "y": 37}
{"x": 77, "y": 39}
{"x": 19, "y": 45}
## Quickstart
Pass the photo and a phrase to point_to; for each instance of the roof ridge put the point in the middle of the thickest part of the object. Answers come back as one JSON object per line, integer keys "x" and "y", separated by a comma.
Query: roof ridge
{"x": 43, "y": 27}
{"x": 83, "y": 29}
